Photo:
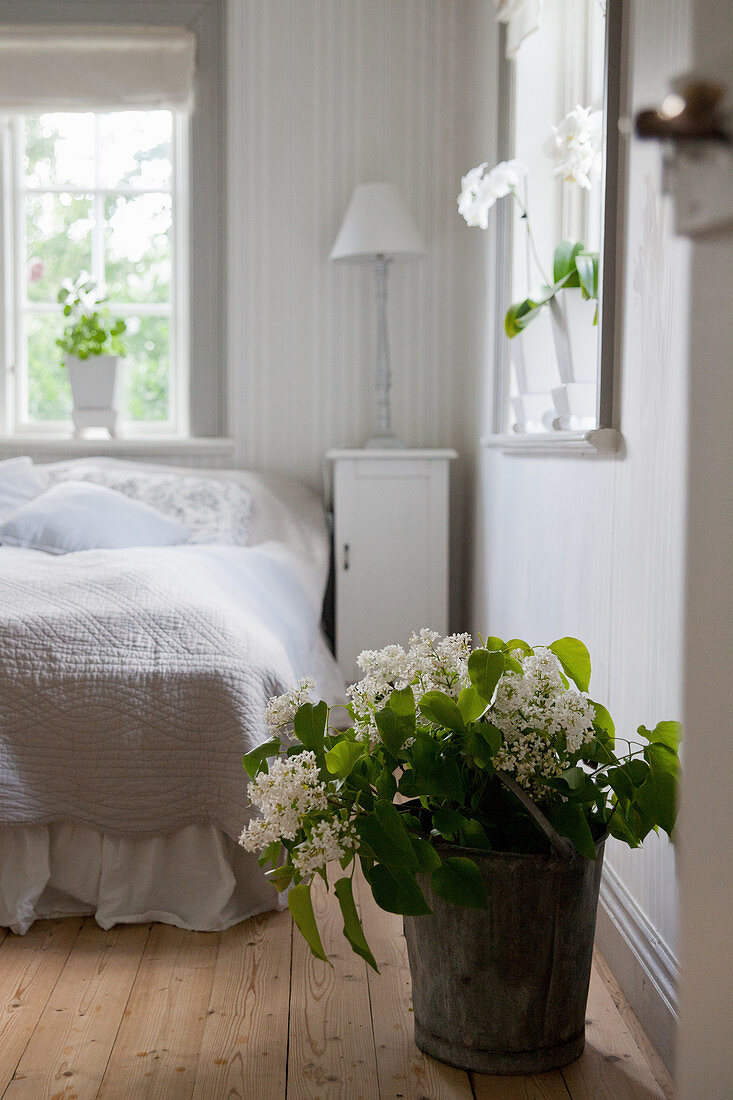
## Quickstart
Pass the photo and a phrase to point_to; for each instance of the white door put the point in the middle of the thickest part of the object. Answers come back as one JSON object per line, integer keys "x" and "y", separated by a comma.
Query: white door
{"x": 705, "y": 1049}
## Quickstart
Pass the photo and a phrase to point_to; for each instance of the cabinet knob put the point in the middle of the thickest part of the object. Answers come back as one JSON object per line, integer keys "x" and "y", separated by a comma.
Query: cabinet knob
{"x": 346, "y": 556}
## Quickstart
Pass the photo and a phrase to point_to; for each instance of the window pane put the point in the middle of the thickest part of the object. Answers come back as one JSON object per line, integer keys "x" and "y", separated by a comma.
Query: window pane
{"x": 137, "y": 246}
{"x": 59, "y": 150}
{"x": 49, "y": 392}
{"x": 136, "y": 149}
{"x": 58, "y": 242}
{"x": 147, "y": 368}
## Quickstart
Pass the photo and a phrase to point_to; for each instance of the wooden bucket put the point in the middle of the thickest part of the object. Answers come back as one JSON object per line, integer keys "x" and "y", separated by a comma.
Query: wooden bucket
{"x": 504, "y": 990}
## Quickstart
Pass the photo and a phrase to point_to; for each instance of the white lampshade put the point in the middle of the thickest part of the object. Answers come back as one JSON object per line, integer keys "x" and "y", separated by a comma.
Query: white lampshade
{"x": 377, "y": 223}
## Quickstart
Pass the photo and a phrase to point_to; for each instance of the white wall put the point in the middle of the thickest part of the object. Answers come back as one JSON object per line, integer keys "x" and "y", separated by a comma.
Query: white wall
{"x": 594, "y": 547}
{"x": 323, "y": 95}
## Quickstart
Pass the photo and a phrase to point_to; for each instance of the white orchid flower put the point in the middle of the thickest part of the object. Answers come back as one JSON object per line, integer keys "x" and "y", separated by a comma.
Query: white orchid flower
{"x": 480, "y": 189}
{"x": 574, "y": 145}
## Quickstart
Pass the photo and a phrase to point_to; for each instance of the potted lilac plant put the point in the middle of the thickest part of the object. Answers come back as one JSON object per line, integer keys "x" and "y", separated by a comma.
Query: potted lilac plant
{"x": 474, "y": 789}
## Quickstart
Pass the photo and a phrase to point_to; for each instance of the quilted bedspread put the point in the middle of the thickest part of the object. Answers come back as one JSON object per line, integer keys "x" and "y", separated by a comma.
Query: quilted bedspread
{"x": 132, "y": 681}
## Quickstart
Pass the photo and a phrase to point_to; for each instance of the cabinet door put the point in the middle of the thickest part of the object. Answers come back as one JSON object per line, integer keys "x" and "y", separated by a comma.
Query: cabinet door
{"x": 391, "y": 553}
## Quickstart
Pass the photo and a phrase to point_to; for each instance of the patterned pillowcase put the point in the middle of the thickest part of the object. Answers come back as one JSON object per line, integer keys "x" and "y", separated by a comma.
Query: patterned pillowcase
{"x": 214, "y": 511}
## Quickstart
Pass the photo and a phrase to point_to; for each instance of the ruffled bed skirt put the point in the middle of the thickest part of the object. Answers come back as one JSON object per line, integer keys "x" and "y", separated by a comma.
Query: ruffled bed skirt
{"x": 195, "y": 878}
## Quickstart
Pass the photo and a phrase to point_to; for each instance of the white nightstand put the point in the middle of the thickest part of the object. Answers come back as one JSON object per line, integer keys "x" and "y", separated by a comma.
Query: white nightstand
{"x": 390, "y": 547}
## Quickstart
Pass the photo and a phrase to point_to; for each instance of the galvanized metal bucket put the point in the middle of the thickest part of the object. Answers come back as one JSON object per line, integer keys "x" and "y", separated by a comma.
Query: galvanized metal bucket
{"x": 504, "y": 990}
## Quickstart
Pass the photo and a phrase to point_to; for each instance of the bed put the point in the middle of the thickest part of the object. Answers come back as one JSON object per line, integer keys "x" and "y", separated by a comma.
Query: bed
{"x": 133, "y": 679}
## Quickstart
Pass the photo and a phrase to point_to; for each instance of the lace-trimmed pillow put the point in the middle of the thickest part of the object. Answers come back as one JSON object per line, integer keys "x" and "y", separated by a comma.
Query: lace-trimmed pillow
{"x": 213, "y": 510}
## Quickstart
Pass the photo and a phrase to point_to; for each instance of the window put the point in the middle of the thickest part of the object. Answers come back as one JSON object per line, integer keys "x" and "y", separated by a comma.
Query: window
{"x": 101, "y": 194}
{"x": 554, "y": 379}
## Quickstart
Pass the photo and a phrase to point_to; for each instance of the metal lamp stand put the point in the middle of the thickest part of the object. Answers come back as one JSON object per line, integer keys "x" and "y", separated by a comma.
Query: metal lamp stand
{"x": 384, "y": 437}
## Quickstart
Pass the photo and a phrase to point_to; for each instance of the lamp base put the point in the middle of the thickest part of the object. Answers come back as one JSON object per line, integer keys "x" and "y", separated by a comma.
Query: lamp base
{"x": 384, "y": 442}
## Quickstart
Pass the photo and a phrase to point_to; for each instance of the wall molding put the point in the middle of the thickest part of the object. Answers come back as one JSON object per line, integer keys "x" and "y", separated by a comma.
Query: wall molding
{"x": 642, "y": 964}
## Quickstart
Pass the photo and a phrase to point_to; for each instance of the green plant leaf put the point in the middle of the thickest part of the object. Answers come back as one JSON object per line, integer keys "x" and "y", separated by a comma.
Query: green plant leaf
{"x": 658, "y": 796}
{"x": 340, "y": 760}
{"x": 352, "y": 925}
{"x": 427, "y": 858}
{"x": 586, "y": 264}
{"x": 485, "y": 669}
{"x": 520, "y": 314}
{"x": 471, "y": 704}
{"x": 448, "y": 823}
{"x": 575, "y": 659}
{"x": 602, "y": 720}
{"x": 301, "y": 907}
{"x": 396, "y": 891}
{"x": 386, "y": 836}
{"x": 310, "y": 725}
{"x": 664, "y": 733}
{"x": 574, "y": 777}
{"x": 458, "y": 881}
{"x": 570, "y": 821}
{"x": 431, "y": 774}
{"x": 489, "y": 733}
{"x": 492, "y": 642}
{"x": 473, "y": 835}
{"x": 394, "y": 729}
{"x": 280, "y": 877}
{"x": 254, "y": 759}
{"x": 438, "y": 707}
{"x": 518, "y": 643}
{"x": 402, "y": 702}
{"x": 563, "y": 263}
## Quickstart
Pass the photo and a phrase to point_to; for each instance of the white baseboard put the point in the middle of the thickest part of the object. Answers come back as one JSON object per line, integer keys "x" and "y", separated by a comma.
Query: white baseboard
{"x": 641, "y": 963}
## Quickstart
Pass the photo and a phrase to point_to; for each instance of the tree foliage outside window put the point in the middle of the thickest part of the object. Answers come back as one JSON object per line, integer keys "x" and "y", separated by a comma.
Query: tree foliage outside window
{"x": 96, "y": 197}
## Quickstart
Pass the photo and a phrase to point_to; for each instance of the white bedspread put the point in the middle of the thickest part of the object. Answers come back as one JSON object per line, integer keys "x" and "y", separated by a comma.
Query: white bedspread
{"x": 133, "y": 681}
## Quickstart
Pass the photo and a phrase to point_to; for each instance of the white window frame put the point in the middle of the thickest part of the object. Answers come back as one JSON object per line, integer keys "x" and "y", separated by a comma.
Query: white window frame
{"x": 605, "y": 438}
{"x": 12, "y": 274}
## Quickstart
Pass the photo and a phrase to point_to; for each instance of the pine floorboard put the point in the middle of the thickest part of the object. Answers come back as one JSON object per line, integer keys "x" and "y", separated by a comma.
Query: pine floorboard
{"x": 152, "y": 1012}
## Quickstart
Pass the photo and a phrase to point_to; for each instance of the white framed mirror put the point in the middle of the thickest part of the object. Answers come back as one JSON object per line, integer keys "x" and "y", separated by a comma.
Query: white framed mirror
{"x": 557, "y": 229}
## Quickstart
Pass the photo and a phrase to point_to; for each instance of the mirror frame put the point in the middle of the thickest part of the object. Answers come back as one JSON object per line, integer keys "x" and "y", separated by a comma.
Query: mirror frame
{"x": 606, "y": 437}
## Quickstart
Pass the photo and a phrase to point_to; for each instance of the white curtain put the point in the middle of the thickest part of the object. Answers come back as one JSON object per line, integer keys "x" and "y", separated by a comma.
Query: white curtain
{"x": 58, "y": 68}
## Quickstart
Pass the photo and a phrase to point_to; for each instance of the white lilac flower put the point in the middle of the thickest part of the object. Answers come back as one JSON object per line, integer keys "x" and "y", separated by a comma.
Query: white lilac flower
{"x": 575, "y": 146}
{"x": 281, "y": 708}
{"x": 328, "y": 841}
{"x": 284, "y": 795}
{"x": 431, "y": 663}
{"x": 480, "y": 189}
{"x": 531, "y": 709}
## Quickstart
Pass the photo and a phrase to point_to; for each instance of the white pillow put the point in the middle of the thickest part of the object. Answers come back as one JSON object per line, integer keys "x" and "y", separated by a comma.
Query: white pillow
{"x": 214, "y": 511}
{"x": 76, "y": 515}
{"x": 19, "y": 482}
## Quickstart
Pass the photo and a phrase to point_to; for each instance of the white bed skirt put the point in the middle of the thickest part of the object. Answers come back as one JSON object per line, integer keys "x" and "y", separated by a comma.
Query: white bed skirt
{"x": 195, "y": 878}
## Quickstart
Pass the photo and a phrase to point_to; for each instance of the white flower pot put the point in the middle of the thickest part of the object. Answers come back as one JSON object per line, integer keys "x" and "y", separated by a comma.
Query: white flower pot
{"x": 533, "y": 412}
{"x": 95, "y": 390}
{"x": 576, "y": 405}
{"x": 575, "y": 335}
{"x": 533, "y": 356}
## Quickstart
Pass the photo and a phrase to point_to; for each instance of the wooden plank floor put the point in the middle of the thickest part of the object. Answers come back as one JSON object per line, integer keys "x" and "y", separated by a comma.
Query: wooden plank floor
{"x": 153, "y": 1012}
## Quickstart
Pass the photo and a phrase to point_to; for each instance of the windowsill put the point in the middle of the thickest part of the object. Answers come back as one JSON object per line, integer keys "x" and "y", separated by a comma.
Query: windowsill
{"x": 598, "y": 441}
{"x": 65, "y": 445}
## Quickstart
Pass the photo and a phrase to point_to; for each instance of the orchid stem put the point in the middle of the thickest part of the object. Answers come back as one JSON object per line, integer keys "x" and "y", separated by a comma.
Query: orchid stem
{"x": 530, "y": 235}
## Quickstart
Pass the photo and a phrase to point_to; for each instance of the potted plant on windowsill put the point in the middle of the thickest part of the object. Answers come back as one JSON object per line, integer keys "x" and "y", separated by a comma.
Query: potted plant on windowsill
{"x": 565, "y": 303}
{"x": 92, "y": 345}
{"x": 475, "y": 788}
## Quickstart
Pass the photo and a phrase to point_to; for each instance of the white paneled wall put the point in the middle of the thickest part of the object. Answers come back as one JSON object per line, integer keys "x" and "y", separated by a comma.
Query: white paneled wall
{"x": 594, "y": 547}
{"x": 323, "y": 95}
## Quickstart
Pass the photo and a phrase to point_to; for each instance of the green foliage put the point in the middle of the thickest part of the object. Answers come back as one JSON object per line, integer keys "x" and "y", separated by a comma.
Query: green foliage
{"x": 458, "y": 881}
{"x": 90, "y": 331}
{"x": 301, "y": 907}
{"x": 572, "y": 266}
{"x": 575, "y": 659}
{"x": 352, "y": 925}
{"x": 425, "y": 787}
